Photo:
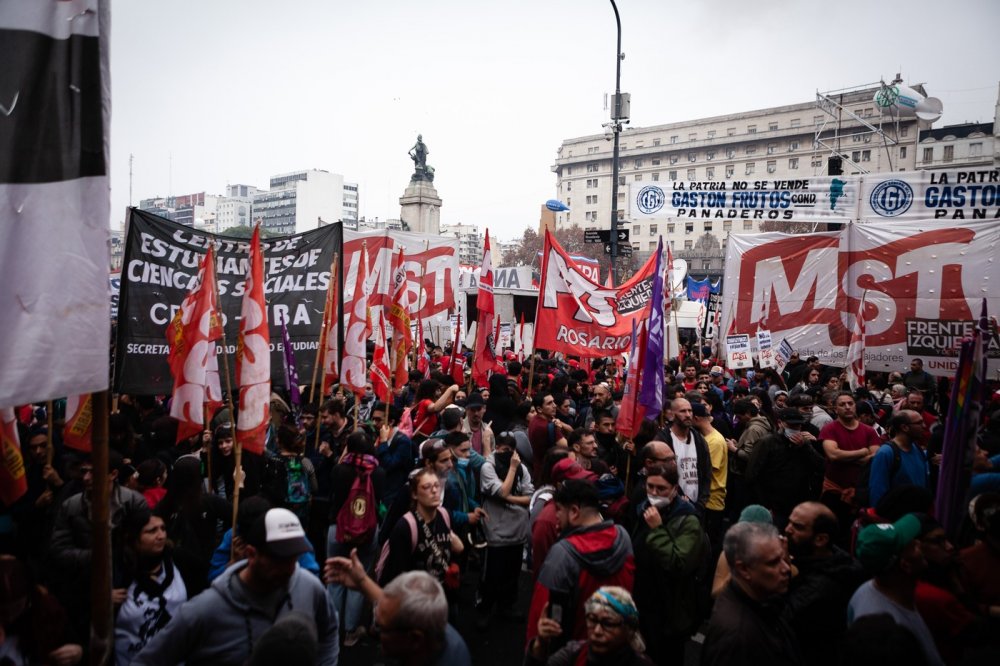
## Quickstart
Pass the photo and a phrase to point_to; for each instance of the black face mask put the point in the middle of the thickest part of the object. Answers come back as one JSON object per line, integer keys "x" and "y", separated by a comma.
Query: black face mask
{"x": 501, "y": 461}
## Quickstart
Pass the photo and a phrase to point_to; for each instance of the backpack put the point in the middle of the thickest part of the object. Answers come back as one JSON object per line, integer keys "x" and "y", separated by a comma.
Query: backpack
{"x": 862, "y": 494}
{"x": 411, "y": 520}
{"x": 296, "y": 482}
{"x": 358, "y": 516}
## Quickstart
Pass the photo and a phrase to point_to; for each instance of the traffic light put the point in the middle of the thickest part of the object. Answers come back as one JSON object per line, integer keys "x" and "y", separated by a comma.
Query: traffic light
{"x": 834, "y": 165}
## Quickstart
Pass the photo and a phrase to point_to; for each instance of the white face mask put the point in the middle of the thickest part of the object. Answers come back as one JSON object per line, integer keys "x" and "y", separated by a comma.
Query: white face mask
{"x": 659, "y": 502}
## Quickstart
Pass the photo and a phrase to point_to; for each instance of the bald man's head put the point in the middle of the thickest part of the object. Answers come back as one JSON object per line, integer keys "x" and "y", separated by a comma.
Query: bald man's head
{"x": 811, "y": 529}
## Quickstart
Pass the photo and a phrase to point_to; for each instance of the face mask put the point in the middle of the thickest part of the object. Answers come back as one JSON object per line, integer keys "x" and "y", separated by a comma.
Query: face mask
{"x": 369, "y": 395}
{"x": 659, "y": 502}
{"x": 503, "y": 459}
{"x": 462, "y": 463}
{"x": 792, "y": 434}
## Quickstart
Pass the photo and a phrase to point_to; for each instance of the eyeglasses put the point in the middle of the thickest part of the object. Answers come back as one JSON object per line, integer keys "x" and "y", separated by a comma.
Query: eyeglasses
{"x": 605, "y": 622}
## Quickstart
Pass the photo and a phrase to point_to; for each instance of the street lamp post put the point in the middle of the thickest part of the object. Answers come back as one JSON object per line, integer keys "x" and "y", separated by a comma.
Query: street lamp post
{"x": 615, "y": 127}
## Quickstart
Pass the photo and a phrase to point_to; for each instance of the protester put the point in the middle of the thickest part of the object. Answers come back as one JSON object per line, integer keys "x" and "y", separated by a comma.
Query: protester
{"x": 432, "y": 397}
{"x": 920, "y": 379}
{"x": 592, "y": 552}
{"x": 545, "y": 527}
{"x": 746, "y": 626}
{"x": 892, "y": 553}
{"x": 848, "y": 444}
{"x": 900, "y": 461}
{"x": 411, "y": 613}
{"x": 613, "y": 637}
{"x": 542, "y": 431}
{"x": 718, "y": 454}
{"x": 222, "y": 624}
{"x": 393, "y": 449}
{"x": 479, "y": 432}
{"x": 693, "y": 461}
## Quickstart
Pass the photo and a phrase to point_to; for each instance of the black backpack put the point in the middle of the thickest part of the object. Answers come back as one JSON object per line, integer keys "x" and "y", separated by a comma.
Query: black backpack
{"x": 862, "y": 494}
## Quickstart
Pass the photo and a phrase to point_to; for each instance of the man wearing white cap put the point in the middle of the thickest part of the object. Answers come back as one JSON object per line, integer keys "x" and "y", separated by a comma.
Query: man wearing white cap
{"x": 222, "y": 624}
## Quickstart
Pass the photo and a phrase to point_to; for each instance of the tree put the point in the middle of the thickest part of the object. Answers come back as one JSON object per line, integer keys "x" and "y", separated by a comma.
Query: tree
{"x": 243, "y": 231}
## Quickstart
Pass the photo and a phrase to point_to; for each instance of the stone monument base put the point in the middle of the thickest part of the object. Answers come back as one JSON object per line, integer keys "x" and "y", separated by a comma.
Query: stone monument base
{"x": 420, "y": 208}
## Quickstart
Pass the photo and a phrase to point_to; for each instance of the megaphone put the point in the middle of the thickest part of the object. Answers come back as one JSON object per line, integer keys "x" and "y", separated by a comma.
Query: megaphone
{"x": 905, "y": 102}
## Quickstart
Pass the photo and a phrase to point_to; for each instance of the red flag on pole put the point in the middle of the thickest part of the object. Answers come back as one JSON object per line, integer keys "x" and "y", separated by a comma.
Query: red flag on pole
{"x": 457, "y": 360}
{"x": 423, "y": 360}
{"x": 79, "y": 422}
{"x": 399, "y": 319}
{"x": 630, "y": 413}
{"x": 485, "y": 360}
{"x": 194, "y": 362}
{"x": 253, "y": 356}
{"x": 380, "y": 361}
{"x": 331, "y": 331}
{"x": 13, "y": 482}
{"x": 856, "y": 350}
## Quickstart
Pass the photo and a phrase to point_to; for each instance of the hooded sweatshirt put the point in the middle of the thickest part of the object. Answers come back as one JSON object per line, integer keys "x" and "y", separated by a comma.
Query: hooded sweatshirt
{"x": 584, "y": 559}
{"x": 221, "y": 625}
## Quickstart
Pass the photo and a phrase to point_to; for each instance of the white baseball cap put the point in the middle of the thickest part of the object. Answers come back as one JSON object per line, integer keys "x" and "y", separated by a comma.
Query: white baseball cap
{"x": 280, "y": 533}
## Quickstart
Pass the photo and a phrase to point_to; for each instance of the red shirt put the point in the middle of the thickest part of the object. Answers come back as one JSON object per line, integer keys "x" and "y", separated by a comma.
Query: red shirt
{"x": 845, "y": 474}
{"x": 426, "y": 422}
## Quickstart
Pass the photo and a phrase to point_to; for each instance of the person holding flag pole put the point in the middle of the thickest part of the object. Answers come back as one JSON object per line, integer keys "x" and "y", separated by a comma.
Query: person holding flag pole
{"x": 327, "y": 352}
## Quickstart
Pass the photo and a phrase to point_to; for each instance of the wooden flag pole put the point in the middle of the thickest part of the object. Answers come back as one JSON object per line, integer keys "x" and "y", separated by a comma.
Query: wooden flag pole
{"x": 208, "y": 454}
{"x": 531, "y": 375}
{"x": 100, "y": 516}
{"x": 323, "y": 336}
{"x": 420, "y": 298}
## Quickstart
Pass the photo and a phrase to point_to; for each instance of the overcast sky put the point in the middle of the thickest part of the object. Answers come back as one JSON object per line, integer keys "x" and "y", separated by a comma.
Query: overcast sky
{"x": 235, "y": 92}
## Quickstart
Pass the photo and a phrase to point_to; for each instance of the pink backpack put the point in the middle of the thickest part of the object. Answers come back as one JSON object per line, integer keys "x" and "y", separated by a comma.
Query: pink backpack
{"x": 358, "y": 516}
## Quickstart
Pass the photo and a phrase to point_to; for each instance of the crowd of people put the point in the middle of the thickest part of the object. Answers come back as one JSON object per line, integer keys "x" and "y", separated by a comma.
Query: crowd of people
{"x": 764, "y": 518}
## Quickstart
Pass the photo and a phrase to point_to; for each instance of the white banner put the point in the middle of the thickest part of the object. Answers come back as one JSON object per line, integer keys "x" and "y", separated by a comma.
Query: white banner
{"x": 821, "y": 198}
{"x": 925, "y": 282}
{"x": 765, "y": 353}
{"x": 738, "y": 351}
{"x": 782, "y": 355}
{"x": 953, "y": 194}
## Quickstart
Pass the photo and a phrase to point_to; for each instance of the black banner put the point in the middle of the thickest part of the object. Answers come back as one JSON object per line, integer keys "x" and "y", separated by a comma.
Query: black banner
{"x": 161, "y": 262}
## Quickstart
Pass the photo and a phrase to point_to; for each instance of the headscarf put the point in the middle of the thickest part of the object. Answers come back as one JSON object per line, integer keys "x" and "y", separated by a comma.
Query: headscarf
{"x": 618, "y": 601}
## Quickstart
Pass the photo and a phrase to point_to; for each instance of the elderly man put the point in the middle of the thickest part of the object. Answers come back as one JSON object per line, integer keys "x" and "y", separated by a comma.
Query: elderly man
{"x": 411, "y": 613}
{"x": 746, "y": 627}
{"x": 602, "y": 402}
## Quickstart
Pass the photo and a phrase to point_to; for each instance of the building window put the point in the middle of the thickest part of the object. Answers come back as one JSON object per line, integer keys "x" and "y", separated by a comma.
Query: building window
{"x": 591, "y": 216}
{"x": 652, "y": 230}
{"x": 692, "y": 174}
{"x": 772, "y": 166}
{"x": 710, "y": 155}
{"x": 693, "y": 136}
{"x": 706, "y": 264}
{"x": 730, "y": 170}
{"x": 750, "y": 166}
{"x": 638, "y": 164}
{"x": 592, "y": 199}
{"x": 656, "y": 177}
{"x": 856, "y": 156}
{"x": 730, "y": 152}
{"x": 751, "y": 129}
{"x": 793, "y": 163}
{"x": 902, "y": 153}
{"x": 904, "y": 131}
{"x": 688, "y": 245}
{"x": 636, "y": 247}
{"x": 670, "y": 227}
{"x": 593, "y": 168}
{"x": 689, "y": 227}
{"x": 692, "y": 157}
{"x": 656, "y": 142}
{"x": 949, "y": 153}
{"x": 569, "y": 186}
{"x": 673, "y": 175}
{"x": 795, "y": 122}
{"x": 711, "y": 134}
{"x": 673, "y": 139}
{"x": 636, "y": 229}
{"x": 793, "y": 145}
{"x": 866, "y": 156}
{"x": 975, "y": 150}
{"x": 772, "y": 127}
{"x": 730, "y": 131}
{"x": 710, "y": 173}
{"x": 652, "y": 245}
{"x": 638, "y": 177}
{"x": 591, "y": 182}
{"x": 747, "y": 225}
{"x": 656, "y": 162}
{"x": 727, "y": 225}
{"x": 673, "y": 159}
{"x": 708, "y": 225}
{"x": 751, "y": 149}
{"x": 817, "y": 120}
{"x": 816, "y": 162}
{"x": 772, "y": 148}
{"x": 621, "y": 214}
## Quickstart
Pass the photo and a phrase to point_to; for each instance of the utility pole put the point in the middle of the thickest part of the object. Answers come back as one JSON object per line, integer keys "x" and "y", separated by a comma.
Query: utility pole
{"x": 619, "y": 114}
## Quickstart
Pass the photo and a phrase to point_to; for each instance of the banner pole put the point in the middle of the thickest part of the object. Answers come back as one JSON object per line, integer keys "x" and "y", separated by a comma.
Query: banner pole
{"x": 208, "y": 455}
{"x": 323, "y": 337}
{"x": 100, "y": 517}
{"x": 50, "y": 444}
{"x": 531, "y": 374}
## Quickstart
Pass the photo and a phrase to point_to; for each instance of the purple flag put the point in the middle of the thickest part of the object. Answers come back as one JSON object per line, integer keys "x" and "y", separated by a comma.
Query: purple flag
{"x": 651, "y": 384}
{"x": 969, "y": 396}
{"x": 291, "y": 374}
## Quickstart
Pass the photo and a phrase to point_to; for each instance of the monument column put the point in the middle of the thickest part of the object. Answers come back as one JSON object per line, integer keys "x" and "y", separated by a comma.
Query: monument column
{"x": 420, "y": 205}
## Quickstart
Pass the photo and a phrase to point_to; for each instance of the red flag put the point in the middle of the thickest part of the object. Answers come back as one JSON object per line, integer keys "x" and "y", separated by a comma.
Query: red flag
{"x": 423, "y": 360}
{"x": 330, "y": 336}
{"x": 353, "y": 373}
{"x": 253, "y": 356}
{"x": 457, "y": 360}
{"x": 193, "y": 359}
{"x": 485, "y": 360}
{"x": 380, "y": 361}
{"x": 13, "y": 482}
{"x": 399, "y": 319}
{"x": 631, "y": 412}
{"x": 79, "y": 422}
{"x": 856, "y": 350}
